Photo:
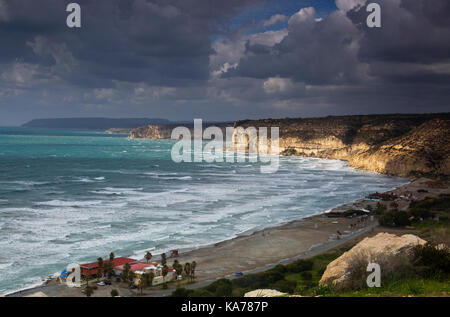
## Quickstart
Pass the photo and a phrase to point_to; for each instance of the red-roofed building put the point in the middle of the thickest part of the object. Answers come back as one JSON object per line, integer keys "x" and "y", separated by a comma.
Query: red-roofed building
{"x": 138, "y": 266}
{"x": 94, "y": 265}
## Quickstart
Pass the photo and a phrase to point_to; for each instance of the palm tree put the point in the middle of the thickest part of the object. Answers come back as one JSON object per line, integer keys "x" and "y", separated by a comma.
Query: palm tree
{"x": 100, "y": 268}
{"x": 187, "y": 269}
{"x": 193, "y": 266}
{"x": 148, "y": 256}
{"x": 88, "y": 275}
{"x": 131, "y": 277}
{"x": 148, "y": 277}
{"x": 165, "y": 271}
{"x": 163, "y": 259}
{"x": 141, "y": 284}
{"x": 111, "y": 257}
{"x": 178, "y": 268}
{"x": 124, "y": 276}
{"x": 108, "y": 269}
{"x": 89, "y": 291}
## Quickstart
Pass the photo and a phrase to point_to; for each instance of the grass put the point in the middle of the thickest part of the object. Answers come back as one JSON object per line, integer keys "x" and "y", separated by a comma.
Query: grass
{"x": 394, "y": 287}
{"x": 282, "y": 277}
{"x": 302, "y": 277}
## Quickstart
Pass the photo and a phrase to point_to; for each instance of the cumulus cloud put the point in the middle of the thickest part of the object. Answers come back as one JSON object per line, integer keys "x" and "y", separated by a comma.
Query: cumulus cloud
{"x": 274, "y": 19}
{"x": 347, "y": 5}
{"x": 276, "y": 84}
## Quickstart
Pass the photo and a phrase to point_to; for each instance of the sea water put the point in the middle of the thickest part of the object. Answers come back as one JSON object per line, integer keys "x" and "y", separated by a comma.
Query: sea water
{"x": 73, "y": 196}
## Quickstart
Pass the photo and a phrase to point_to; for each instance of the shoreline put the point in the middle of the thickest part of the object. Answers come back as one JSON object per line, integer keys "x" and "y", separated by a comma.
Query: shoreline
{"x": 278, "y": 244}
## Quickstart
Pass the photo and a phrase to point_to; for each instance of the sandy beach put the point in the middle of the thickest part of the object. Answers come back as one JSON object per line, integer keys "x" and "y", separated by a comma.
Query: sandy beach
{"x": 278, "y": 245}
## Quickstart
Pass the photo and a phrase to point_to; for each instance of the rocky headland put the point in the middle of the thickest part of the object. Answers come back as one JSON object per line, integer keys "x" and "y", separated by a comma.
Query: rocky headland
{"x": 401, "y": 145}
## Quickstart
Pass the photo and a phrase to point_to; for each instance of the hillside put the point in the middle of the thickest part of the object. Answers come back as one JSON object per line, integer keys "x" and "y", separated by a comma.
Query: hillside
{"x": 92, "y": 123}
{"x": 402, "y": 145}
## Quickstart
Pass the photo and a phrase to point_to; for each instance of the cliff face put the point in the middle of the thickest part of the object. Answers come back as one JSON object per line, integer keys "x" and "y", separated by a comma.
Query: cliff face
{"x": 165, "y": 131}
{"x": 402, "y": 145}
{"x": 151, "y": 132}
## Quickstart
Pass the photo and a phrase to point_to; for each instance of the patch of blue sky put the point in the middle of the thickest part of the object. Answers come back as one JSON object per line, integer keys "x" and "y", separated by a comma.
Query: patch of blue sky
{"x": 284, "y": 7}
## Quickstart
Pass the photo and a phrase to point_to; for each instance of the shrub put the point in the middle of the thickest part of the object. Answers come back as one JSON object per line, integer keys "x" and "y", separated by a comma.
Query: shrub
{"x": 253, "y": 281}
{"x": 114, "y": 293}
{"x": 280, "y": 269}
{"x": 421, "y": 213}
{"x": 300, "y": 266}
{"x": 307, "y": 276}
{"x": 201, "y": 293}
{"x": 273, "y": 276}
{"x": 394, "y": 219}
{"x": 182, "y": 292}
{"x": 430, "y": 259}
{"x": 220, "y": 288}
{"x": 394, "y": 205}
{"x": 380, "y": 209}
{"x": 322, "y": 290}
{"x": 353, "y": 213}
{"x": 284, "y": 286}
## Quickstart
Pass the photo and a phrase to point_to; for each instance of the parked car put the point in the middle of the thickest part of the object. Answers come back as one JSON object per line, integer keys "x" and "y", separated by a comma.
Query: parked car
{"x": 101, "y": 283}
{"x": 238, "y": 274}
{"x": 108, "y": 282}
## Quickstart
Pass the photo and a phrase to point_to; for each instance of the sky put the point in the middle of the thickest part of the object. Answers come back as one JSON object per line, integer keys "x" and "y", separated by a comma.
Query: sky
{"x": 222, "y": 60}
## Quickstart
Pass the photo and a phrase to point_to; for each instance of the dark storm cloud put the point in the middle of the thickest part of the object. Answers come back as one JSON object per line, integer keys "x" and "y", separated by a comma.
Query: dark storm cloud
{"x": 153, "y": 41}
{"x": 347, "y": 67}
{"x": 188, "y": 58}
{"x": 314, "y": 52}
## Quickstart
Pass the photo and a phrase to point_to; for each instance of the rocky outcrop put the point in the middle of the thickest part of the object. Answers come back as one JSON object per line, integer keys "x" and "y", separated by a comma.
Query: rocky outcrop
{"x": 265, "y": 293}
{"x": 402, "y": 145}
{"x": 152, "y": 132}
{"x": 389, "y": 251}
{"x": 165, "y": 131}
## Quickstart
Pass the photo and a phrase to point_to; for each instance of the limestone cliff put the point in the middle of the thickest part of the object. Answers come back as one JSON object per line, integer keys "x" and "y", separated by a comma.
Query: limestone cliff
{"x": 165, "y": 131}
{"x": 402, "y": 145}
{"x": 152, "y": 132}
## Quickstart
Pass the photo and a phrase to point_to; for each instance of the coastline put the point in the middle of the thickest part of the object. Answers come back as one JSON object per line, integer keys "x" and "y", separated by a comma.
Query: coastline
{"x": 262, "y": 249}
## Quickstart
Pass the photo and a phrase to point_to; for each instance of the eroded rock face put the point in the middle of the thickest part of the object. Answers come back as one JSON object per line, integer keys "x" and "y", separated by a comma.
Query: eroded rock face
{"x": 402, "y": 145}
{"x": 391, "y": 252}
{"x": 152, "y": 132}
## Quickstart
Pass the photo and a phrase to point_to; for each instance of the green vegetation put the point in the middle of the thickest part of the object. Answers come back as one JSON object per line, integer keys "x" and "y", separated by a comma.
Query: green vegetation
{"x": 354, "y": 213}
{"x": 429, "y": 276}
{"x": 148, "y": 256}
{"x": 428, "y": 212}
{"x": 114, "y": 293}
{"x": 292, "y": 278}
{"x": 89, "y": 291}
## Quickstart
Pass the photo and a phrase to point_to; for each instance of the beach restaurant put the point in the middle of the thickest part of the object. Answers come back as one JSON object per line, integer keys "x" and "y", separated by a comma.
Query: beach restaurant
{"x": 93, "y": 267}
{"x": 140, "y": 268}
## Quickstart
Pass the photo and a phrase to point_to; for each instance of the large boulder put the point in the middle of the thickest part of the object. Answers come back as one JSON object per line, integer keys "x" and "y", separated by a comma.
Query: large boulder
{"x": 391, "y": 252}
{"x": 265, "y": 293}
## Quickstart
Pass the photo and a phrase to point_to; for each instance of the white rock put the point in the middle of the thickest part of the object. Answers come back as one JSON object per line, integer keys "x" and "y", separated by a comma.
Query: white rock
{"x": 391, "y": 252}
{"x": 265, "y": 293}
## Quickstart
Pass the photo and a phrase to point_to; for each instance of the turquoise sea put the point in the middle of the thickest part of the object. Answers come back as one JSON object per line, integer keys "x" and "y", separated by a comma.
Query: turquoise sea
{"x": 71, "y": 196}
